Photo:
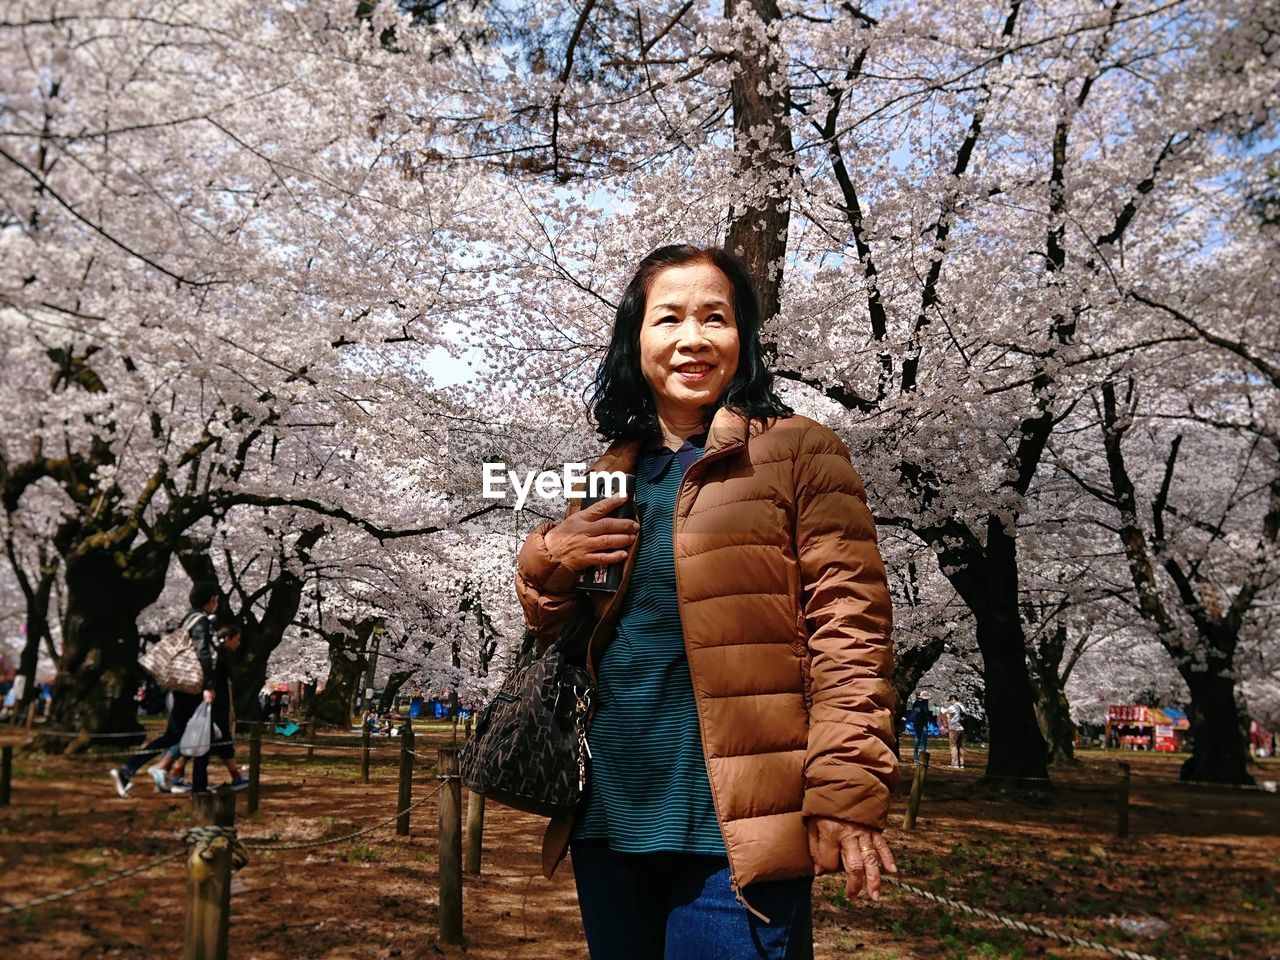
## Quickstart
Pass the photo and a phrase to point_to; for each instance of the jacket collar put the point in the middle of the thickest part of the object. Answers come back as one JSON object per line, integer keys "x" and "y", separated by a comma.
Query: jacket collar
{"x": 729, "y": 428}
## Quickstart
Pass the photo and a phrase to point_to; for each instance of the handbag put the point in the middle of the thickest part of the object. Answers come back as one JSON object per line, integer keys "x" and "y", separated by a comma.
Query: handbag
{"x": 172, "y": 660}
{"x": 529, "y": 750}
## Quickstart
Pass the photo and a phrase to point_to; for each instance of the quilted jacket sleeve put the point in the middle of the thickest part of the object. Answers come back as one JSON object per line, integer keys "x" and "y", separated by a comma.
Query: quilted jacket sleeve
{"x": 201, "y": 634}
{"x": 850, "y": 764}
{"x": 545, "y": 587}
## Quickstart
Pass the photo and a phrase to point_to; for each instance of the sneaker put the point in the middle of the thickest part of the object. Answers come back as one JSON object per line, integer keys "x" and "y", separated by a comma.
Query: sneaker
{"x": 239, "y": 783}
{"x": 121, "y": 780}
{"x": 161, "y": 779}
{"x": 179, "y": 785}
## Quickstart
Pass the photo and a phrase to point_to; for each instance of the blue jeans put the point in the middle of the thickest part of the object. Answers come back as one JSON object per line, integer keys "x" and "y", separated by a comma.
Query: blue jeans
{"x": 680, "y": 906}
{"x": 184, "y": 705}
{"x": 922, "y": 743}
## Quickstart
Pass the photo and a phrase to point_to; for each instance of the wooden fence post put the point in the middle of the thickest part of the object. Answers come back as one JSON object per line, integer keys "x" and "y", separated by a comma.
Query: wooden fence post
{"x": 917, "y": 791}
{"x": 255, "y": 765}
{"x": 209, "y": 882}
{"x": 31, "y": 712}
{"x": 475, "y": 832}
{"x": 311, "y": 736}
{"x": 406, "y": 778}
{"x": 364, "y": 754}
{"x": 1122, "y": 803}
{"x": 6, "y": 775}
{"x": 450, "y": 847}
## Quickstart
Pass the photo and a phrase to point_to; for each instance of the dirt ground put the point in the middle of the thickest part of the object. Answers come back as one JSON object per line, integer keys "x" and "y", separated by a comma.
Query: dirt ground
{"x": 1204, "y": 862}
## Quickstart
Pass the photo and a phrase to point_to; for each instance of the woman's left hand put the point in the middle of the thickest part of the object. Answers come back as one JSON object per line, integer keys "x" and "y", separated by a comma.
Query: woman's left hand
{"x": 862, "y": 849}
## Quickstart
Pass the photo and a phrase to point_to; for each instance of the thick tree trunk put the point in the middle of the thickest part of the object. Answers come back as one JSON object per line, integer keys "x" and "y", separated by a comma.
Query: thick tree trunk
{"x": 348, "y": 661}
{"x": 249, "y": 673}
{"x": 988, "y": 582}
{"x": 758, "y": 222}
{"x": 1017, "y": 750}
{"x": 333, "y": 703}
{"x": 98, "y": 676}
{"x": 1219, "y": 735}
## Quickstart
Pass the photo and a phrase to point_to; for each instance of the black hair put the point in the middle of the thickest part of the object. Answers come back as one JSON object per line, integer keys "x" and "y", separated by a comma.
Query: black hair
{"x": 202, "y": 592}
{"x": 621, "y": 401}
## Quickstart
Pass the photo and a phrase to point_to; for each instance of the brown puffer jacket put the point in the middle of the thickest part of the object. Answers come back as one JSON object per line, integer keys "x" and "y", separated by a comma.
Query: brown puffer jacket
{"x": 786, "y": 616}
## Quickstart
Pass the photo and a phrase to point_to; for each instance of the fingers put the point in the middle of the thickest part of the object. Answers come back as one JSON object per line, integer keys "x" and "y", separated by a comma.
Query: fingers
{"x": 606, "y": 559}
{"x": 854, "y": 867}
{"x": 603, "y": 507}
{"x": 614, "y": 541}
{"x": 814, "y": 853}
{"x": 828, "y": 859}
{"x": 886, "y": 855}
{"x": 615, "y": 526}
{"x": 870, "y": 864}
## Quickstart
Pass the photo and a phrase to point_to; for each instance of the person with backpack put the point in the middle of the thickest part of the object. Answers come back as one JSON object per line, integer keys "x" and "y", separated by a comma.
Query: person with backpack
{"x": 199, "y": 626}
{"x": 953, "y": 721}
{"x": 920, "y": 717}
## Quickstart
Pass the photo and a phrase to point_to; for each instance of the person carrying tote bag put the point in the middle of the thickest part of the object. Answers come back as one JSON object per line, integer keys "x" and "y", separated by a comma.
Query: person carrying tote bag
{"x": 204, "y": 602}
{"x": 741, "y": 740}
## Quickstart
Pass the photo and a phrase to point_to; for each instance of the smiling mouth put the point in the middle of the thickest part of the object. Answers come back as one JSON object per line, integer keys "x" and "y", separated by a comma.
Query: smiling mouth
{"x": 694, "y": 371}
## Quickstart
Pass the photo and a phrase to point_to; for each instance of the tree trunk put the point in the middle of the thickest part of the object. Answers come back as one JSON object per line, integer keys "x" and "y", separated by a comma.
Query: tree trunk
{"x": 1218, "y": 732}
{"x": 36, "y": 624}
{"x": 348, "y": 661}
{"x": 395, "y": 681}
{"x": 1053, "y": 712}
{"x": 758, "y": 223}
{"x": 98, "y": 676}
{"x": 988, "y": 582}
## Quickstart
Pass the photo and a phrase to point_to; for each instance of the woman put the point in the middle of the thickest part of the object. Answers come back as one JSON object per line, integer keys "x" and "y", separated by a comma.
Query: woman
{"x": 742, "y": 739}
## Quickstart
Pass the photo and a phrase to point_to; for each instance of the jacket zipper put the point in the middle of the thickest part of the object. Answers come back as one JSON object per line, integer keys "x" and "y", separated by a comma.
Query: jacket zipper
{"x": 675, "y": 527}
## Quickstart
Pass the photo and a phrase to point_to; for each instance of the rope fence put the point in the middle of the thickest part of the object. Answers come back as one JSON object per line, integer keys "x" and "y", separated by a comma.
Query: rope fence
{"x": 6, "y": 909}
{"x": 1014, "y": 924}
{"x": 220, "y": 848}
{"x": 266, "y": 845}
{"x": 217, "y": 851}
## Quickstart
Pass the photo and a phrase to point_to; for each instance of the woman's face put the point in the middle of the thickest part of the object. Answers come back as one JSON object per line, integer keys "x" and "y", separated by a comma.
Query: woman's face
{"x": 688, "y": 337}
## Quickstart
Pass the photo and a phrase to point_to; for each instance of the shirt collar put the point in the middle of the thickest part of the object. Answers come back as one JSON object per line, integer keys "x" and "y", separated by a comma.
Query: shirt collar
{"x": 660, "y": 455}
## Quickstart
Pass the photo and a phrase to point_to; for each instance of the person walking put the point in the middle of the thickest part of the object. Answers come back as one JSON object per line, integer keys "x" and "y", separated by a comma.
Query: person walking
{"x": 226, "y": 641}
{"x": 199, "y": 624}
{"x": 921, "y": 718}
{"x": 953, "y": 721}
{"x": 741, "y": 737}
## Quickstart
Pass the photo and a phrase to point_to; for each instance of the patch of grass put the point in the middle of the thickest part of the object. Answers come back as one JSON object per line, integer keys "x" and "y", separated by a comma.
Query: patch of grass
{"x": 34, "y": 769}
{"x": 362, "y": 853}
{"x": 135, "y": 899}
{"x": 839, "y": 897}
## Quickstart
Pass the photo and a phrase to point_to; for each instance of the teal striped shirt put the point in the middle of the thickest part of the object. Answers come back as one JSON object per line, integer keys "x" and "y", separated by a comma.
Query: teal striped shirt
{"x": 647, "y": 787}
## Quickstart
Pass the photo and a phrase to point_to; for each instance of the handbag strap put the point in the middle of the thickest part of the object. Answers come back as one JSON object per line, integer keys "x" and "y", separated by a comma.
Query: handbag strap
{"x": 191, "y": 620}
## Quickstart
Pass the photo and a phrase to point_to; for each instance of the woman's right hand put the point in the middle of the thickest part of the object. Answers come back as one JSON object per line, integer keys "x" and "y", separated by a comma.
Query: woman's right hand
{"x": 591, "y": 538}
